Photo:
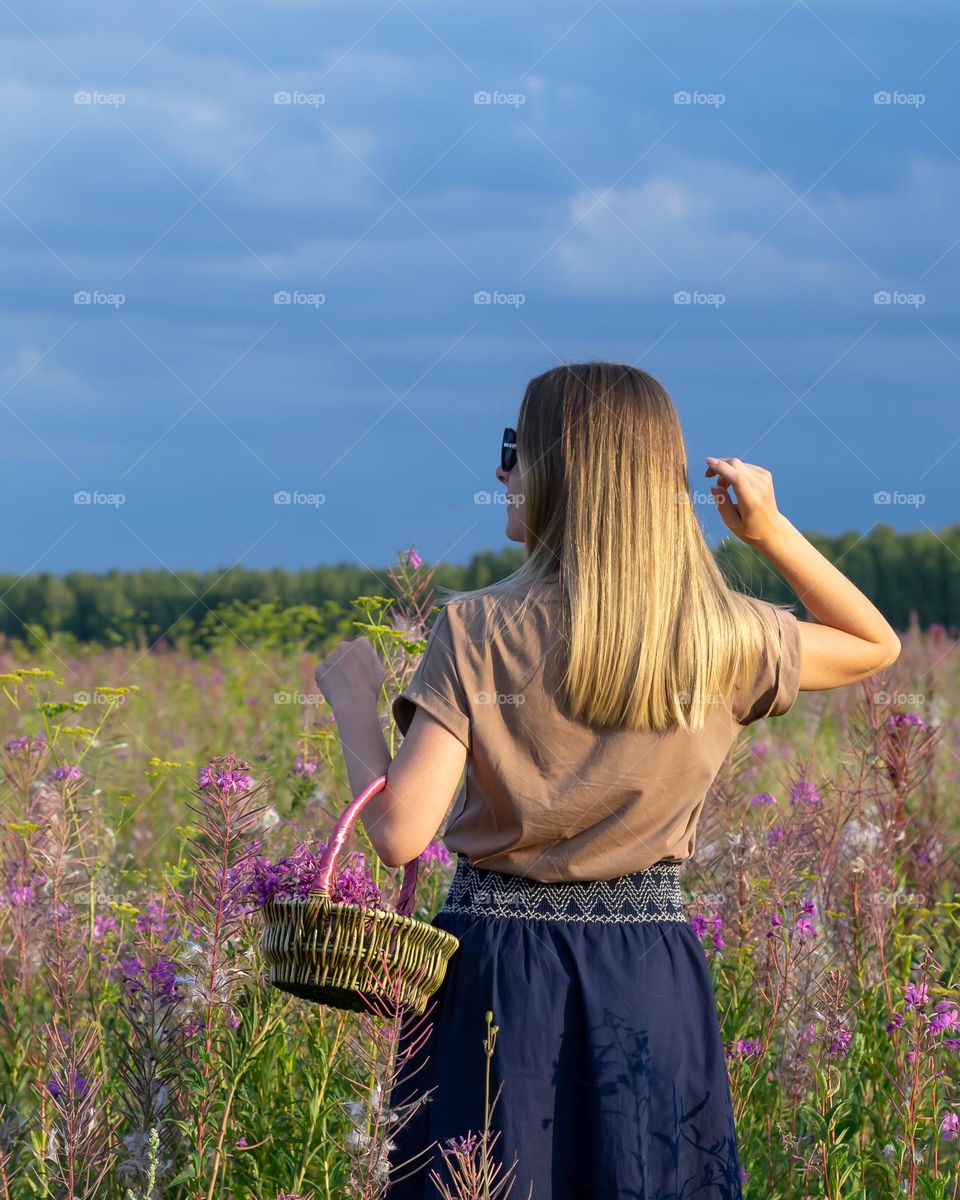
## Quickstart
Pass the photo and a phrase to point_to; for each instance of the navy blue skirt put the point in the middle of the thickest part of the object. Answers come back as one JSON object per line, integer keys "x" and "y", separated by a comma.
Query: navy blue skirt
{"x": 609, "y": 1059}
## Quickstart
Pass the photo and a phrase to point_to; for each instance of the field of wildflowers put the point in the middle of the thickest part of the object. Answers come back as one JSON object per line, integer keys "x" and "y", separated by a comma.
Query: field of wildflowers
{"x": 153, "y": 801}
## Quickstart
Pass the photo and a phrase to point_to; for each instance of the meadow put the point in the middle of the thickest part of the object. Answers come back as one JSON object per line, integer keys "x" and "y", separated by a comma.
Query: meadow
{"x": 142, "y": 1053}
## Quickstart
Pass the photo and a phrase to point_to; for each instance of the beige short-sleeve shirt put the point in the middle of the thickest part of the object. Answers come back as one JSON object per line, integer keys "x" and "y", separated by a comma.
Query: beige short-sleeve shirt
{"x": 549, "y": 797}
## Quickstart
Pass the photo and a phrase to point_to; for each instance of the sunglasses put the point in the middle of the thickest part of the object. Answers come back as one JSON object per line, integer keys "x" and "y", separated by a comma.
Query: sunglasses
{"x": 508, "y": 450}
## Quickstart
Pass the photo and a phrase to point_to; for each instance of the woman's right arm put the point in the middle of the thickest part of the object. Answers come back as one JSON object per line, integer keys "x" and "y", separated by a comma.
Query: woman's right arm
{"x": 852, "y": 639}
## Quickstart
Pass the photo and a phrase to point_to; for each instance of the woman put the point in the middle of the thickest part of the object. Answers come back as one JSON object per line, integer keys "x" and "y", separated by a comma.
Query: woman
{"x": 592, "y": 697}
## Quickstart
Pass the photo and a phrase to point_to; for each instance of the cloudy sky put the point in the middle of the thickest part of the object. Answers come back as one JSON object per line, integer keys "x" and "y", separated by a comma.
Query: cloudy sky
{"x": 247, "y": 248}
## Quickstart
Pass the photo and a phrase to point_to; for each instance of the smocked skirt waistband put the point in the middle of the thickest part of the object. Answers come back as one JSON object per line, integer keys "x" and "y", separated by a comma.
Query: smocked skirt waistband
{"x": 653, "y": 894}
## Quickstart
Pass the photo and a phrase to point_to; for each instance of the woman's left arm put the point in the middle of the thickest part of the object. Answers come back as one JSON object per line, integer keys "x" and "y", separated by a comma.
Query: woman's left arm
{"x": 422, "y": 778}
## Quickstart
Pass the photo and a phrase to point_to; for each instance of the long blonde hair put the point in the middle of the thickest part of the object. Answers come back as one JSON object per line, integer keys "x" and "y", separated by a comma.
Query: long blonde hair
{"x": 654, "y": 634}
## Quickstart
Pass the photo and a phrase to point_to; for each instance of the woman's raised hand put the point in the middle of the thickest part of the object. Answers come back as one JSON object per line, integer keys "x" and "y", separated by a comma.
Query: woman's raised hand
{"x": 351, "y": 669}
{"x": 754, "y": 517}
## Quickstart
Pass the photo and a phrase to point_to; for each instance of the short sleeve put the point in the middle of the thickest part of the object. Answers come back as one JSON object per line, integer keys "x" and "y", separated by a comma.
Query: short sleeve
{"x": 436, "y": 686}
{"x": 776, "y": 684}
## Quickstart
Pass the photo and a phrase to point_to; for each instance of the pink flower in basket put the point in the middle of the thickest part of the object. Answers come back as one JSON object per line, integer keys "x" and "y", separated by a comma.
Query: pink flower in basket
{"x": 297, "y": 875}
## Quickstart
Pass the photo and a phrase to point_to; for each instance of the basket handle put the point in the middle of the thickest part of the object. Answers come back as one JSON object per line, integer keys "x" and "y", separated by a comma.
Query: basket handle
{"x": 341, "y": 832}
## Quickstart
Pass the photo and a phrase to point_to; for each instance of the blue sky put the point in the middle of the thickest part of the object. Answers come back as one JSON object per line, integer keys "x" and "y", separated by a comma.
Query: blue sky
{"x": 736, "y": 154}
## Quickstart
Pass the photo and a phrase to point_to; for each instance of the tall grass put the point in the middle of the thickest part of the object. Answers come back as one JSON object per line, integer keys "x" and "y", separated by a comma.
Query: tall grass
{"x": 142, "y": 1055}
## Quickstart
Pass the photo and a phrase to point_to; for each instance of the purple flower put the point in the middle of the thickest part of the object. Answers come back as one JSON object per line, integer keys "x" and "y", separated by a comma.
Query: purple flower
{"x": 296, "y": 876}
{"x": 763, "y": 798}
{"x": 915, "y": 996}
{"x": 810, "y": 908}
{"x": 945, "y": 1016}
{"x": 414, "y": 559}
{"x": 809, "y": 1032}
{"x": 101, "y": 925}
{"x": 302, "y": 766}
{"x": 163, "y": 975}
{"x": 718, "y": 942}
{"x": 775, "y": 835}
{"x": 34, "y": 745}
{"x": 806, "y": 791}
{"x": 748, "y": 1047}
{"x": 226, "y": 773}
{"x": 153, "y": 920}
{"x": 949, "y": 1126}
{"x": 896, "y": 1022}
{"x": 841, "y": 1043}
{"x": 906, "y": 720}
{"x": 804, "y": 928}
{"x": 64, "y": 773}
{"x": 21, "y": 896}
{"x": 59, "y": 1088}
{"x": 698, "y": 923}
{"x": 435, "y": 852}
{"x": 463, "y": 1145}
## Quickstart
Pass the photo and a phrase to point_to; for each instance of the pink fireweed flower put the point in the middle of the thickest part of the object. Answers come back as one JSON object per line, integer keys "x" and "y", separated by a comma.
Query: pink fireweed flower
{"x": 296, "y": 876}
{"x": 435, "y": 852}
{"x": 945, "y": 1016}
{"x": 718, "y": 942}
{"x": 915, "y": 996}
{"x": 806, "y": 791}
{"x": 414, "y": 559}
{"x": 748, "y": 1047}
{"x": 810, "y": 908}
{"x": 463, "y": 1145}
{"x": 21, "y": 895}
{"x": 949, "y": 1126}
{"x": 64, "y": 773}
{"x": 303, "y": 766}
{"x": 906, "y": 720}
{"x": 809, "y": 1032}
{"x": 59, "y": 1088}
{"x": 895, "y": 1022}
{"x": 227, "y": 773}
{"x": 101, "y": 925}
{"x": 840, "y": 1043}
{"x": 698, "y": 923}
{"x": 775, "y": 835}
{"x": 31, "y": 745}
{"x": 763, "y": 798}
{"x": 804, "y": 928}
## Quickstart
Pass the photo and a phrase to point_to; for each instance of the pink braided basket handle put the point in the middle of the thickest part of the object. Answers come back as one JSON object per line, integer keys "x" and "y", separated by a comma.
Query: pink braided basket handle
{"x": 341, "y": 831}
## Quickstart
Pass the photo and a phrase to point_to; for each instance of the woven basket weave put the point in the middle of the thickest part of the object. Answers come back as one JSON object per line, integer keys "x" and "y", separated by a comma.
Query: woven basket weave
{"x": 352, "y": 957}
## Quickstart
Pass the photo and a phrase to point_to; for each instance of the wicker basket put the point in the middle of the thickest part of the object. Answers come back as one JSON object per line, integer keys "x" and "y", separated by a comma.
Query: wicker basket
{"x": 352, "y": 957}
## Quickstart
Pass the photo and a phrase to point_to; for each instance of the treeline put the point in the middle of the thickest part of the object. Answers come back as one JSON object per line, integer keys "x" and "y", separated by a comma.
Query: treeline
{"x": 900, "y": 572}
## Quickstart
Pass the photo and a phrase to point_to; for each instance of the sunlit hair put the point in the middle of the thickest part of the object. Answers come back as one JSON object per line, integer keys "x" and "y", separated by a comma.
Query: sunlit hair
{"x": 656, "y": 638}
